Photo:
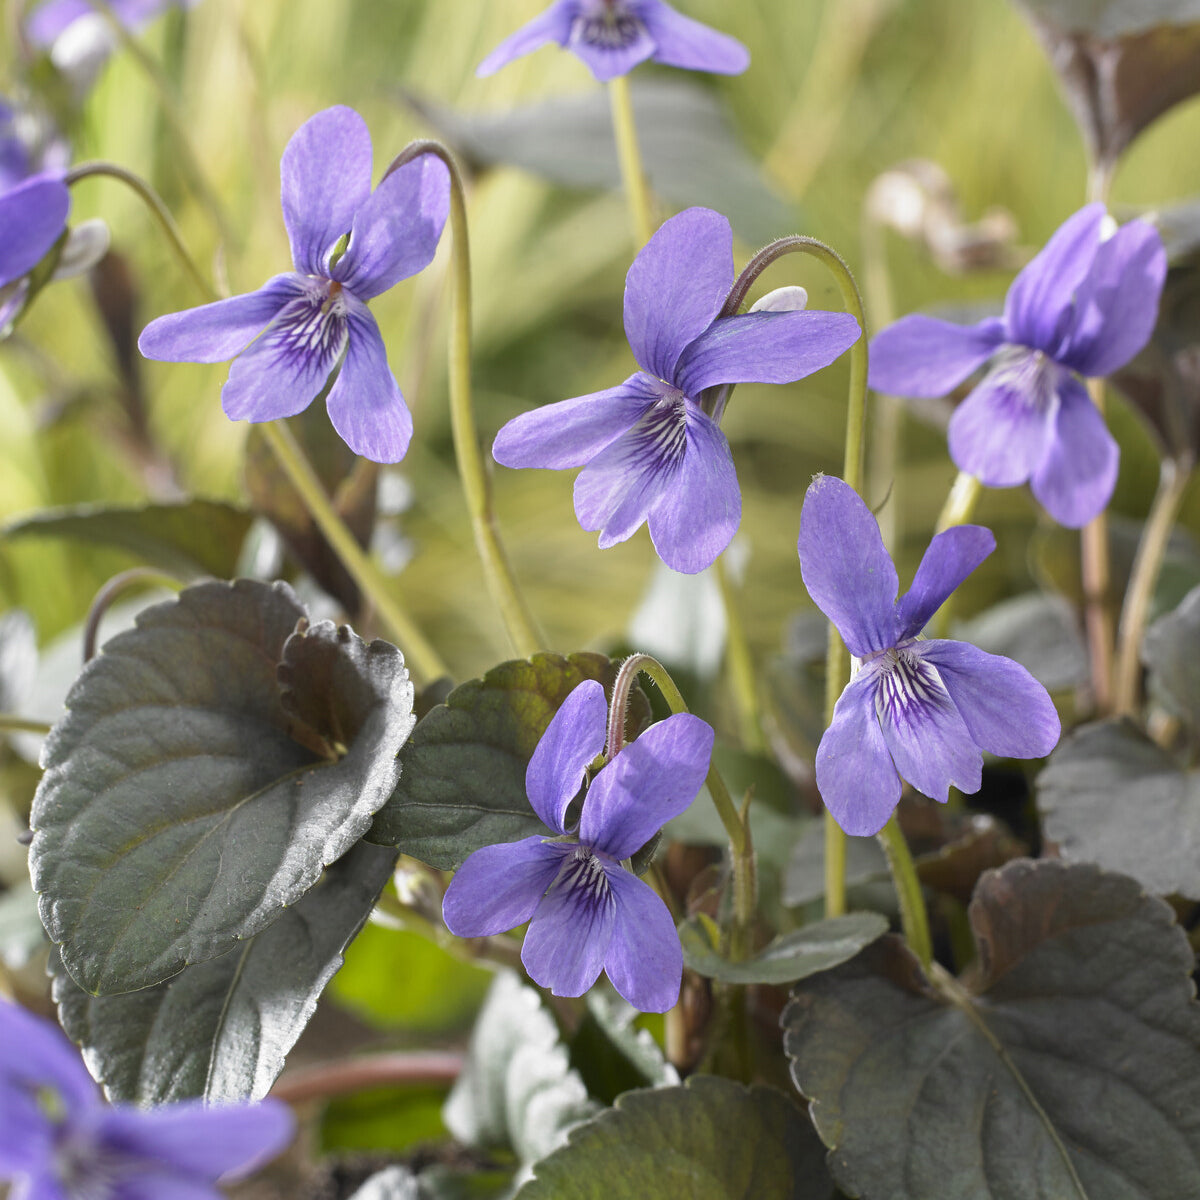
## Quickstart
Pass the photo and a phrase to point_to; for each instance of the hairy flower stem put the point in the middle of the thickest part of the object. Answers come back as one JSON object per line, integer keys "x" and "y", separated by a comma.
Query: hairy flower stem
{"x": 633, "y": 176}
{"x": 1097, "y": 592}
{"x": 157, "y": 208}
{"x": 423, "y": 660}
{"x": 1172, "y": 483}
{"x": 737, "y": 826}
{"x": 135, "y": 577}
{"x": 741, "y": 666}
{"x": 913, "y": 918}
{"x": 522, "y": 628}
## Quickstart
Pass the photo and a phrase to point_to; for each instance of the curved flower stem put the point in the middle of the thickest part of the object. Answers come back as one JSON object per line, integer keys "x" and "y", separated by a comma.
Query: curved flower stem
{"x": 134, "y": 577}
{"x": 11, "y": 723}
{"x": 633, "y": 176}
{"x": 741, "y": 666}
{"x": 431, "y": 1069}
{"x": 737, "y": 828}
{"x": 1172, "y": 483}
{"x": 522, "y": 628}
{"x": 154, "y": 203}
{"x": 913, "y": 918}
{"x": 1097, "y": 591}
{"x": 423, "y": 660}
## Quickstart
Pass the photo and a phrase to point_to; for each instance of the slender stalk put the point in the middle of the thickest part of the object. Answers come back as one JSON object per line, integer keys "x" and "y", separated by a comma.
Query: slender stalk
{"x": 1172, "y": 483}
{"x": 423, "y": 660}
{"x": 430, "y": 1069}
{"x": 913, "y": 918}
{"x": 958, "y": 510}
{"x": 11, "y": 723}
{"x": 523, "y": 630}
{"x": 157, "y": 208}
{"x": 741, "y": 666}
{"x": 633, "y": 176}
{"x": 134, "y": 577}
{"x": 1096, "y": 567}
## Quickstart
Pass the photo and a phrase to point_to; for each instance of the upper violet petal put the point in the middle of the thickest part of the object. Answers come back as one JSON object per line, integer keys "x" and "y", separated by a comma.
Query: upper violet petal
{"x": 652, "y": 780}
{"x": 676, "y": 287}
{"x": 645, "y": 959}
{"x": 325, "y": 175}
{"x": 1043, "y": 292}
{"x": 929, "y": 741}
{"x": 568, "y": 938}
{"x": 498, "y": 887}
{"x": 764, "y": 347}
{"x": 572, "y": 432}
{"x": 1117, "y": 304}
{"x": 855, "y": 774}
{"x": 573, "y": 738}
{"x": 215, "y": 332}
{"x": 951, "y": 557}
{"x": 682, "y": 42}
{"x": 696, "y": 517}
{"x": 923, "y": 357}
{"x": 554, "y": 25}
{"x": 1000, "y": 432}
{"x": 32, "y": 216}
{"x": 365, "y": 403}
{"x": 395, "y": 233}
{"x": 847, "y": 571}
{"x": 1006, "y": 710}
{"x": 1075, "y": 479}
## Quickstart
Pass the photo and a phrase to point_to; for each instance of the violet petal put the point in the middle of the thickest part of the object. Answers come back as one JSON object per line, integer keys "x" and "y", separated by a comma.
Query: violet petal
{"x": 645, "y": 959}
{"x": 498, "y": 887}
{"x": 554, "y": 25}
{"x": 923, "y": 357}
{"x": 574, "y": 737}
{"x": 682, "y": 42}
{"x": 32, "y": 216}
{"x": 608, "y": 59}
{"x": 949, "y": 559}
{"x": 847, "y": 571}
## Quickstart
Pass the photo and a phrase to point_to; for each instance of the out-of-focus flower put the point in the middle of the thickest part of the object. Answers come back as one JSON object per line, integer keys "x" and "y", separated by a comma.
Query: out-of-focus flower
{"x": 1084, "y": 306}
{"x": 60, "y": 1141}
{"x": 588, "y": 912}
{"x": 649, "y": 453}
{"x": 288, "y": 338}
{"x": 913, "y": 709}
{"x": 612, "y": 36}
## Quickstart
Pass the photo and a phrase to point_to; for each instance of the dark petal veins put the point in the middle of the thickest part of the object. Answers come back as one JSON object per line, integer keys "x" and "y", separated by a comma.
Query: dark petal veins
{"x": 609, "y": 38}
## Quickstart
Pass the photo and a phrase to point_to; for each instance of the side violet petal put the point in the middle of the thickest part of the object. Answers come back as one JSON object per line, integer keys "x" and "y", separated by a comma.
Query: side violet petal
{"x": 1006, "y": 710}
{"x": 950, "y": 558}
{"x": 847, "y": 571}
{"x": 325, "y": 176}
{"x": 554, "y": 25}
{"x": 645, "y": 959}
{"x": 923, "y": 357}
{"x": 573, "y": 738}
{"x": 32, "y": 215}
{"x": 676, "y": 287}
{"x": 682, "y": 42}
{"x": 855, "y": 773}
{"x": 650, "y": 781}
{"x": 365, "y": 403}
{"x": 498, "y": 887}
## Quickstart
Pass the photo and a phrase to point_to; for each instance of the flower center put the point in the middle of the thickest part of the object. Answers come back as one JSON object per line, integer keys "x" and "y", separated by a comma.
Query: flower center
{"x": 1029, "y": 375}
{"x": 607, "y": 24}
{"x": 661, "y": 432}
{"x": 86, "y": 1170}
{"x": 906, "y": 683}
{"x": 313, "y": 326}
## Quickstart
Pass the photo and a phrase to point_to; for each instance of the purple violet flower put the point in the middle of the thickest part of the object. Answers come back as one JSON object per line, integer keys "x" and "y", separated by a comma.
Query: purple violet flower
{"x": 913, "y": 709}
{"x": 59, "y": 1140}
{"x": 611, "y": 37}
{"x": 1084, "y": 306}
{"x": 588, "y": 912}
{"x": 649, "y": 452}
{"x": 289, "y": 337}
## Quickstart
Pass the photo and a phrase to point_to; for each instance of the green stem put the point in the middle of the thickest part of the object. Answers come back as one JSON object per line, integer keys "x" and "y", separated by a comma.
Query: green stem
{"x": 1096, "y": 568}
{"x": 913, "y": 918}
{"x": 134, "y": 577}
{"x": 11, "y": 723}
{"x": 958, "y": 510}
{"x": 523, "y": 630}
{"x": 423, "y": 660}
{"x": 633, "y": 176}
{"x": 741, "y": 666}
{"x": 158, "y": 209}
{"x": 1172, "y": 483}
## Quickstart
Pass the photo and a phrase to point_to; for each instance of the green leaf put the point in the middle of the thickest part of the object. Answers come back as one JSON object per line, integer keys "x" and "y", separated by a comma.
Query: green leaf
{"x": 21, "y": 933}
{"x": 683, "y": 129}
{"x": 463, "y": 780}
{"x": 710, "y": 1139}
{"x": 1171, "y": 652}
{"x": 188, "y": 539}
{"x": 611, "y": 1054}
{"x": 517, "y": 1090}
{"x": 221, "y": 1029}
{"x": 816, "y": 947}
{"x": 18, "y": 659}
{"x": 1068, "y": 1068}
{"x": 1109, "y": 795}
{"x": 1122, "y": 63}
{"x": 211, "y": 763}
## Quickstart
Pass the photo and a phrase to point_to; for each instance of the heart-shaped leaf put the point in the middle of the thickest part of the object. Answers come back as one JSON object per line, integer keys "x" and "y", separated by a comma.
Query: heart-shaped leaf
{"x": 221, "y": 1029}
{"x": 711, "y": 1139}
{"x": 211, "y": 763}
{"x": 1067, "y": 1068}
{"x": 463, "y": 779}
{"x": 1171, "y": 652}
